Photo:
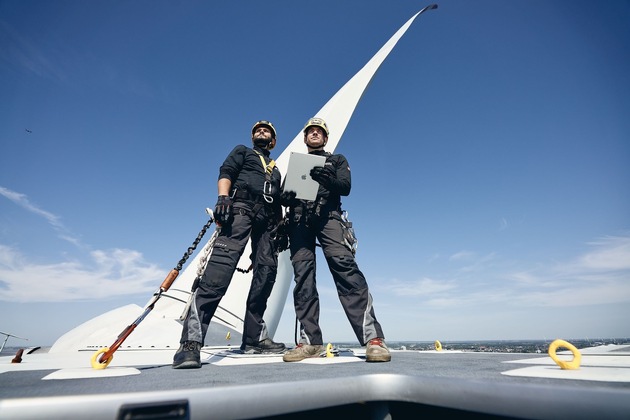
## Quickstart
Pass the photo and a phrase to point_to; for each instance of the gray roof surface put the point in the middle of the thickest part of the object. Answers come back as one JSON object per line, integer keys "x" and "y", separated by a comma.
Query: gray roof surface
{"x": 472, "y": 382}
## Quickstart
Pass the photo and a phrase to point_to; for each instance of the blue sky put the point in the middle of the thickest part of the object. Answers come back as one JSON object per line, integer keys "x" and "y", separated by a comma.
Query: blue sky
{"x": 490, "y": 155}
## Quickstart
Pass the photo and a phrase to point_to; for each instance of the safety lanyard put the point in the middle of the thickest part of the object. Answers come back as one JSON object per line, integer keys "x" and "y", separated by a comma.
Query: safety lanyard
{"x": 268, "y": 168}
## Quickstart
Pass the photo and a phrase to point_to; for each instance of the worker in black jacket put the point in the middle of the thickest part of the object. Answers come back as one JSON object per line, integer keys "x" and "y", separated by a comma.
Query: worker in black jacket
{"x": 248, "y": 206}
{"x": 323, "y": 220}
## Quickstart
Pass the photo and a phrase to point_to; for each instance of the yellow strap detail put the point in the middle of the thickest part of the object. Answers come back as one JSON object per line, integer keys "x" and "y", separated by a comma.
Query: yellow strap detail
{"x": 267, "y": 167}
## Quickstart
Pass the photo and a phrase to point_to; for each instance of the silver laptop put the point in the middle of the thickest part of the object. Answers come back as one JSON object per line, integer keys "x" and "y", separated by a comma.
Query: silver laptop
{"x": 298, "y": 177}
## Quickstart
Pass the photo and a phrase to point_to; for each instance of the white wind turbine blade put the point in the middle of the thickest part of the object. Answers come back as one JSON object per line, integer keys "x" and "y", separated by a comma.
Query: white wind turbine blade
{"x": 339, "y": 109}
{"x": 337, "y": 113}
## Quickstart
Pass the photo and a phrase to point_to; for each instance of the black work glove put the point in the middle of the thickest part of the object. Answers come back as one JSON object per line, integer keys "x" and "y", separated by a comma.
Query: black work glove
{"x": 281, "y": 238}
{"x": 287, "y": 199}
{"x": 326, "y": 176}
{"x": 223, "y": 210}
{"x": 281, "y": 242}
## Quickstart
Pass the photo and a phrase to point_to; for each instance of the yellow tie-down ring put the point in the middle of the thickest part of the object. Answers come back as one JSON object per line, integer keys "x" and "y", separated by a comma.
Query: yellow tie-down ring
{"x": 97, "y": 364}
{"x": 571, "y": 364}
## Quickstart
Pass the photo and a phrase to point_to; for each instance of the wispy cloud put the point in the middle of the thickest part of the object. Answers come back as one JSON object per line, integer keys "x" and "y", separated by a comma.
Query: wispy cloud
{"x": 55, "y": 221}
{"x": 24, "y": 54}
{"x": 105, "y": 273}
{"x": 54, "y": 59}
{"x": 422, "y": 287}
{"x": 473, "y": 261}
{"x": 111, "y": 273}
{"x": 462, "y": 255}
{"x": 612, "y": 253}
{"x": 599, "y": 276}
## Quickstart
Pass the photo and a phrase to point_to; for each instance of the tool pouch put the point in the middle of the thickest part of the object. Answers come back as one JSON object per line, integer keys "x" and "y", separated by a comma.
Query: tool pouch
{"x": 349, "y": 237}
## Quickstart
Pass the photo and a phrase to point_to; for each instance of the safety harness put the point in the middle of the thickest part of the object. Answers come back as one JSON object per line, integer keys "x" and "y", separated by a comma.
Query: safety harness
{"x": 268, "y": 168}
{"x": 267, "y": 192}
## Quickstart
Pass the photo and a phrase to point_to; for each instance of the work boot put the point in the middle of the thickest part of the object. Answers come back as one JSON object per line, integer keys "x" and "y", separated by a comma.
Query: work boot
{"x": 377, "y": 351}
{"x": 303, "y": 351}
{"x": 267, "y": 346}
{"x": 188, "y": 356}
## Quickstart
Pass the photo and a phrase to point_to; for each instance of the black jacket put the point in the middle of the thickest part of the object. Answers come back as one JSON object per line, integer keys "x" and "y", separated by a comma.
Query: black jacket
{"x": 342, "y": 183}
{"x": 244, "y": 168}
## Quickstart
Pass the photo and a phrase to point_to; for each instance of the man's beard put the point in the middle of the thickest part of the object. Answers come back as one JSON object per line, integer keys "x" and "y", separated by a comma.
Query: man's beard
{"x": 261, "y": 142}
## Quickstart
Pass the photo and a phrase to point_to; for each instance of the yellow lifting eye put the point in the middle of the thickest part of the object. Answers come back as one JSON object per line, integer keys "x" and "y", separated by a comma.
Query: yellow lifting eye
{"x": 571, "y": 364}
{"x": 438, "y": 345}
{"x": 98, "y": 365}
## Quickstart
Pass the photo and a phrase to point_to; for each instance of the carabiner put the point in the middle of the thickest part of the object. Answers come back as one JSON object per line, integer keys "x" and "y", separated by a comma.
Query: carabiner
{"x": 267, "y": 187}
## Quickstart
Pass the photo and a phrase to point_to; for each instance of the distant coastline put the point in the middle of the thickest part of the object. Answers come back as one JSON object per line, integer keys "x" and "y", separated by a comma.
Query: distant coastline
{"x": 488, "y": 346}
{"x": 500, "y": 346}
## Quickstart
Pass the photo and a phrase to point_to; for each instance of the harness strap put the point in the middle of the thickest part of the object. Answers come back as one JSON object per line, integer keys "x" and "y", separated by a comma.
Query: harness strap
{"x": 246, "y": 195}
{"x": 267, "y": 167}
{"x": 268, "y": 170}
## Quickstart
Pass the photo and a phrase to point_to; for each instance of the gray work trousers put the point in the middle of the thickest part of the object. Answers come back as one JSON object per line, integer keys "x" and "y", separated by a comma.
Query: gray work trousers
{"x": 352, "y": 288}
{"x": 259, "y": 223}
